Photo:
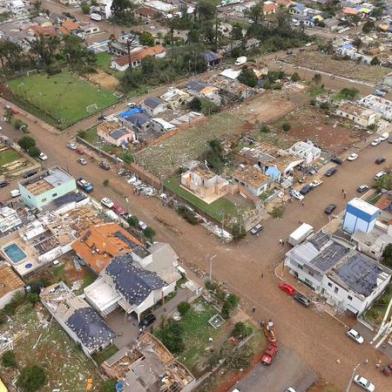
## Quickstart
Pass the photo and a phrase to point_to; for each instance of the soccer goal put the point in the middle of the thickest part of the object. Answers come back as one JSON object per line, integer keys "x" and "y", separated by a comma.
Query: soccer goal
{"x": 92, "y": 108}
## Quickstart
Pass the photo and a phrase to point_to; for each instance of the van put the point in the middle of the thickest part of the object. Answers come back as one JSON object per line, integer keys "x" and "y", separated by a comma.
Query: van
{"x": 15, "y": 193}
{"x": 380, "y": 175}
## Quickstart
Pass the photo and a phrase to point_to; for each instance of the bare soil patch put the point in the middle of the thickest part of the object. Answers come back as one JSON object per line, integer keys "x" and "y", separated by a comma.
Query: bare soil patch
{"x": 103, "y": 80}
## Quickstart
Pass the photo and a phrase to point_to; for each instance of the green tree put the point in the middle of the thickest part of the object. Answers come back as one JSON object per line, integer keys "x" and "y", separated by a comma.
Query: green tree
{"x": 34, "y": 151}
{"x": 387, "y": 256}
{"x": 183, "y": 308}
{"x": 77, "y": 56}
{"x": 123, "y": 11}
{"x": 133, "y": 221}
{"x": 171, "y": 336}
{"x": 255, "y": 13}
{"x": 8, "y": 359}
{"x": 206, "y": 10}
{"x": 317, "y": 78}
{"x": 248, "y": 77}
{"x": 127, "y": 157}
{"x": 295, "y": 77}
{"x": 236, "y": 32}
{"x": 85, "y": 7}
{"x": 368, "y": 27}
{"x": 149, "y": 233}
{"x": 195, "y": 104}
{"x": 238, "y": 231}
{"x": 265, "y": 129}
{"x": 45, "y": 49}
{"x": 208, "y": 107}
{"x": 146, "y": 38}
{"x": 109, "y": 386}
{"x": 286, "y": 126}
{"x": 277, "y": 212}
{"x": 375, "y": 61}
{"x": 230, "y": 303}
{"x": 12, "y": 57}
{"x": 26, "y": 142}
{"x": 31, "y": 378}
{"x": 241, "y": 330}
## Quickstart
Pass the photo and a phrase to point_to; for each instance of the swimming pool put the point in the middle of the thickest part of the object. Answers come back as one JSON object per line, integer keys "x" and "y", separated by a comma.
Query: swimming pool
{"x": 14, "y": 253}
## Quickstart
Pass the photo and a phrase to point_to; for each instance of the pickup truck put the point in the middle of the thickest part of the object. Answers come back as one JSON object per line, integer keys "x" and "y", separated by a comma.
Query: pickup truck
{"x": 269, "y": 354}
{"x": 84, "y": 185}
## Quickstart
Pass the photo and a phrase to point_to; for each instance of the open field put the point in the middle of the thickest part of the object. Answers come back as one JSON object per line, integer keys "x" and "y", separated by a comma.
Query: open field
{"x": 42, "y": 342}
{"x": 162, "y": 159}
{"x": 61, "y": 99}
{"x": 346, "y": 68}
{"x": 8, "y": 156}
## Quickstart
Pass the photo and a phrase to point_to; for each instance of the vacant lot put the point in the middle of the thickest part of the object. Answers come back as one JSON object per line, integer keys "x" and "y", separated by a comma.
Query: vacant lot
{"x": 8, "y": 156}
{"x": 61, "y": 99}
{"x": 162, "y": 159}
{"x": 41, "y": 341}
{"x": 346, "y": 68}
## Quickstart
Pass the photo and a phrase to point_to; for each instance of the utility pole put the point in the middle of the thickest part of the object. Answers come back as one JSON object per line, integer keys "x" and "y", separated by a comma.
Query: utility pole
{"x": 352, "y": 376}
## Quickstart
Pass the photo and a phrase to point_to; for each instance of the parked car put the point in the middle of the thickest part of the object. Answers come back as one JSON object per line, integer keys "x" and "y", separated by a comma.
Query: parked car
{"x": 364, "y": 383}
{"x": 29, "y": 174}
{"x": 42, "y": 156}
{"x": 142, "y": 225}
{"x": 376, "y": 142}
{"x": 354, "y": 335}
{"x": 315, "y": 183}
{"x": 384, "y": 136}
{"x": 330, "y": 172}
{"x": 269, "y": 354}
{"x": 287, "y": 288}
{"x": 363, "y": 188}
{"x": 290, "y": 389}
{"x": 104, "y": 165}
{"x": 330, "y": 209}
{"x": 84, "y": 184}
{"x": 106, "y": 202}
{"x": 82, "y": 161}
{"x": 302, "y": 299}
{"x": 15, "y": 193}
{"x": 147, "y": 320}
{"x": 256, "y": 229}
{"x": 72, "y": 146}
{"x": 306, "y": 189}
{"x": 379, "y": 175}
{"x": 337, "y": 160}
{"x": 80, "y": 151}
{"x": 387, "y": 370}
{"x": 297, "y": 195}
{"x": 3, "y": 184}
{"x": 119, "y": 210}
{"x": 379, "y": 161}
{"x": 352, "y": 157}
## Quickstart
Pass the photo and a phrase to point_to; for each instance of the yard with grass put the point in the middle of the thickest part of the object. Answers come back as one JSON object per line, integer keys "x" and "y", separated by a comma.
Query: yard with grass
{"x": 62, "y": 99}
{"x": 39, "y": 340}
{"x": 219, "y": 210}
{"x": 8, "y": 156}
{"x": 375, "y": 313}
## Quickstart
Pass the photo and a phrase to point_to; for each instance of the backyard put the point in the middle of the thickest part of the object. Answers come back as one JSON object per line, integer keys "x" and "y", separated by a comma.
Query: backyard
{"x": 39, "y": 340}
{"x": 220, "y": 210}
{"x": 62, "y": 99}
{"x": 8, "y": 156}
{"x": 375, "y": 313}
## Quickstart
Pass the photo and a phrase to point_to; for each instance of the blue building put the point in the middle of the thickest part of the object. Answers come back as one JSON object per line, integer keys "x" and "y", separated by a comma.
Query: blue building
{"x": 360, "y": 216}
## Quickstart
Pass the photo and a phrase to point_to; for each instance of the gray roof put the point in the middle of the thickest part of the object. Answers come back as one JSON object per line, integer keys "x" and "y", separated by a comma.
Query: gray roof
{"x": 152, "y": 102}
{"x": 360, "y": 274}
{"x": 319, "y": 239}
{"x": 134, "y": 283}
{"x": 139, "y": 119}
{"x": 329, "y": 256}
{"x": 120, "y": 132}
{"x": 196, "y": 85}
{"x": 90, "y": 328}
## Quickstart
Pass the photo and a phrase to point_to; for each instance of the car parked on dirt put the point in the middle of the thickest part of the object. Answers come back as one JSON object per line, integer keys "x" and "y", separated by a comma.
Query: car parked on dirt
{"x": 104, "y": 165}
{"x": 256, "y": 229}
{"x": 352, "y": 157}
{"x": 305, "y": 189}
{"x": 82, "y": 161}
{"x": 363, "y": 188}
{"x": 297, "y": 195}
{"x": 376, "y": 142}
{"x": 302, "y": 299}
{"x": 355, "y": 335}
{"x": 337, "y": 160}
{"x": 364, "y": 383}
{"x": 330, "y": 172}
{"x": 3, "y": 184}
{"x": 72, "y": 146}
{"x": 287, "y": 288}
{"x": 330, "y": 209}
{"x": 379, "y": 161}
{"x": 106, "y": 202}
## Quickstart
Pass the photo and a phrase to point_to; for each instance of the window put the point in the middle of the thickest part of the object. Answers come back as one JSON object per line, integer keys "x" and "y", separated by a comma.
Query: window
{"x": 329, "y": 284}
{"x": 43, "y": 200}
{"x": 350, "y": 297}
{"x": 336, "y": 290}
{"x": 54, "y": 194}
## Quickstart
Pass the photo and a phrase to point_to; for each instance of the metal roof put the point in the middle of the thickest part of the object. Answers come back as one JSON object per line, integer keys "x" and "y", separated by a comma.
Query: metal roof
{"x": 152, "y": 102}
{"x": 329, "y": 256}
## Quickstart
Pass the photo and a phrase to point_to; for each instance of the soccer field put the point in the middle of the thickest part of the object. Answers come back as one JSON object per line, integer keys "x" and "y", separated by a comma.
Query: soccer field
{"x": 62, "y": 99}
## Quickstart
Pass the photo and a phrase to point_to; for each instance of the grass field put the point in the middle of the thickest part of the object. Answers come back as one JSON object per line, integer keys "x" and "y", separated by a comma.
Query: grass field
{"x": 8, "y": 156}
{"x": 218, "y": 210}
{"x": 61, "y": 99}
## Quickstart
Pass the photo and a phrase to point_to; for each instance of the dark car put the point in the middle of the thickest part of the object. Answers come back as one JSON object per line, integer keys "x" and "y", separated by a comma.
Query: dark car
{"x": 379, "y": 161}
{"x": 330, "y": 172}
{"x": 330, "y": 209}
{"x": 362, "y": 188}
{"x": 147, "y": 320}
{"x": 336, "y": 160}
{"x": 30, "y": 174}
{"x": 305, "y": 189}
{"x": 305, "y": 301}
{"x": 3, "y": 184}
{"x": 256, "y": 229}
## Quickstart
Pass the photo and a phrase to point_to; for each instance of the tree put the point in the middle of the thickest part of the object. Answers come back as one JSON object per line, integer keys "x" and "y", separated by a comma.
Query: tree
{"x": 45, "y": 48}
{"x": 295, "y": 77}
{"x": 206, "y": 10}
{"x": 195, "y": 104}
{"x": 236, "y": 32}
{"x": 277, "y": 212}
{"x": 183, "y": 308}
{"x": 122, "y": 11}
{"x": 171, "y": 336}
{"x": 256, "y": 13}
{"x": 8, "y": 359}
{"x": 109, "y": 386}
{"x": 31, "y": 378}
{"x": 230, "y": 303}
{"x": 127, "y": 157}
{"x": 37, "y": 6}
{"x": 85, "y": 7}
{"x": 76, "y": 54}
{"x": 375, "y": 61}
{"x": 133, "y": 221}
{"x": 265, "y": 129}
{"x": 149, "y": 233}
{"x": 348, "y": 93}
{"x": 241, "y": 330}
{"x": 146, "y": 38}
{"x": 317, "y": 78}
{"x": 387, "y": 256}
{"x": 248, "y": 77}
{"x": 286, "y": 126}
{"x": 368, "y": 27}
{"x": 238, "y": 231}
{"x": 34, "y": 151}
{"x": 26, "y": 142}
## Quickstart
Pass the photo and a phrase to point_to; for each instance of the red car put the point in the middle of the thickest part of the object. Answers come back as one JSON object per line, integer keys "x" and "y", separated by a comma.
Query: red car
{"x": 387, "y": 370}
{"x": 79, "y": 151}
{"x": 287, "y": 288}
{"x": 269, "y": 354}
{"x": 119, "y": 210}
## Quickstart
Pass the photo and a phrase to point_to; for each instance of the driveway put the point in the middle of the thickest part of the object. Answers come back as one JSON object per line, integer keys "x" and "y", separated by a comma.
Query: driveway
{"x": 287, "y": 370}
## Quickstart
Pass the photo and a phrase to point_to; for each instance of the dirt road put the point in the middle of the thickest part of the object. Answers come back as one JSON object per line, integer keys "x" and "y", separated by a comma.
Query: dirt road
{"x": 317, "y": 338}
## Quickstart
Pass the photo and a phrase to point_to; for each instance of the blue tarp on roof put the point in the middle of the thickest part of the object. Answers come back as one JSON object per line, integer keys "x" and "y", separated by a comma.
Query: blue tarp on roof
{"x": 131, "y": 112}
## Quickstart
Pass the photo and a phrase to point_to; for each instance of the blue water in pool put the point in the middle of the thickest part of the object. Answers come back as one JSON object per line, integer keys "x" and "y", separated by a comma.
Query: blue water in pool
{"x": 14, "y": 253}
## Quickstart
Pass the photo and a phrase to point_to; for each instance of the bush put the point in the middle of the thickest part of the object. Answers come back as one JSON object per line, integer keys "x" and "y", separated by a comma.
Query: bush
{"x": 85, "y": 7}
{"x": 248, "y": 77}
{"x": 31, "y": 378}
{"x": 286, "y": 127}
{"x": 127, "y": 157}
{"x": 241, "y": 330}
{"x": 26, "y": 142}
{"x": 295, "y": 77}
{"x": 34, "y": 152}
{"x": 171, "y": 336}
{"x": 264, "y": 129}
{"x": 238, "y": 231}
{"x": 105, "y": 182}
{"x": 277, "y": 212}
{"x": 8, "y": 359}
{"x": 231, "y": 302}
{"x": 109, "y": 386}
{"x": 133, "y": 221}
{"x": 183, "y": 308}
{"x": 32, "y": 298}
{"x": 82, "y": 134}
{"x": 149, "y": 233}
{"x": 387, "y": 256}
{"x": 187, "y": 214}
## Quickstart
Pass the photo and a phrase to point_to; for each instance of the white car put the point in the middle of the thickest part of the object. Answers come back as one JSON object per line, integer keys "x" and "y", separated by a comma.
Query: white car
{"x": 364, "y": 383}
{"x": 354, "y": 335}
{"x": 384, "y": 136}
{"x": 315, "y": 183}
{"x": 352, "y": 157}
{"x": 380, "y": 175}
{"x": 290, "y": 389}
{"x": 142, "y": 225}
{"x": 106, "y": 202}
{"x": 82, "y": 161}
{"x": 72, "y": 146}
{"x": 296, "y": 194}
{"x": 376, "y": 142}
{"x": 43, "y": 156}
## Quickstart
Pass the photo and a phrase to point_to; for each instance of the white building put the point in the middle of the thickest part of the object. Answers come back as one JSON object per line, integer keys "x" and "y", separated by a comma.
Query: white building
{"x": 9, "y": 220}
{"x": 348, "y": 279}
{"x": 378, "y": 104}
{"x": 357, "y": 114}
{"x": 306, "y": 151}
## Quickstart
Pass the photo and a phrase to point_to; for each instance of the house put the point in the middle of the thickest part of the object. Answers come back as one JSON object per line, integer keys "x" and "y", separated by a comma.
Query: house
{"x": 360, "y": 116}
{"x": 43, "y": 188}
{"x": 379, "y": 105}
{"x": 9, "y": 220}
{"x": 349, "y": 11}
{"x": 203, "y": 90}
{"x": 252, "y": 179}
{"x": 43, "y": 31}
{"x": 160, "y": 125}
{"x": 348, "y": 279}
{"x": 306, "y": 151}
{"x": 87, "y": 30}
{"x": 176, "y": 98}
{"x": 142, "y": 368}
{"x": 284, "y": 3}
{"x": 113, "y": 133}
{"x": 139, "y": 121}
{"x": 68, "y": 26}
{"x": 81, "y": 322}
{"x": 153, "y": 106}
{"x": 384, "y": 204}
{"x": 126, "y": 284}
{"x": 205, "y": 184}
{"x": 211, "y": 58}
{"x": 118, "y": 48}
{"x": 269, "y": 7}
{"x": 100, "y": 243}
{"x": 10, "y": 285}
{"x": 147, "y": 13}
